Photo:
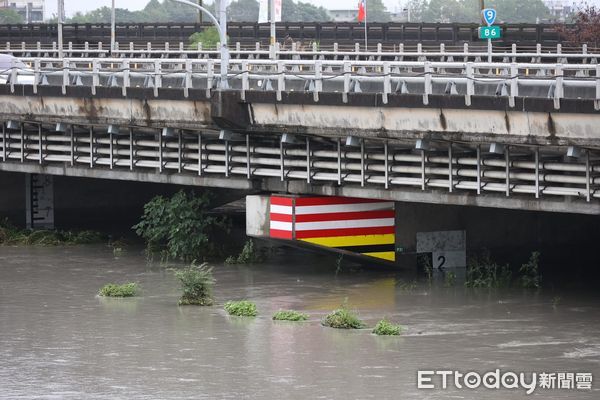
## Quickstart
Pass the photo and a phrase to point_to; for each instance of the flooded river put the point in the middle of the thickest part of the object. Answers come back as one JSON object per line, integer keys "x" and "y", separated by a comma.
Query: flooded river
{"x": 58, "y": 340}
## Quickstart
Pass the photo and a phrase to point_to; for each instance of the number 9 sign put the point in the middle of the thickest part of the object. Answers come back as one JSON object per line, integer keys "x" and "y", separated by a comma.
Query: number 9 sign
{"x": 489, "y": 15}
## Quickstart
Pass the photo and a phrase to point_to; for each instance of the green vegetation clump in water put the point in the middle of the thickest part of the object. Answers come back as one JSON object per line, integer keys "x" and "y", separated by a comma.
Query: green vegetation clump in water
{"x": 196, "y": 282}
{"x": 483, "y": 272}
{"x": 180, "y": 226}
{"x": 249, "y": 255}
{"x": 289, "y": 315}
{"x": 342, "y": 318}
{"x": 115, "y": 290}
{"x": 386, "y": 328}
{"x": 11, "y": 235}
{"x": 243, "y": 308}
{"x": 529, "y": 272}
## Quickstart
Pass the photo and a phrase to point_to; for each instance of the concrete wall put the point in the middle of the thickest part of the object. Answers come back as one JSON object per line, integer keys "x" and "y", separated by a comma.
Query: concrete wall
{"x": 94, "y": 203}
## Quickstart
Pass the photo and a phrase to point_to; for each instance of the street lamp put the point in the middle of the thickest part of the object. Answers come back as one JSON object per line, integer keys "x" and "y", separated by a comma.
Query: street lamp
{"x": 222, "y": 28}
{"x": 112, "y": 27}
{"x": 61, "y": 12}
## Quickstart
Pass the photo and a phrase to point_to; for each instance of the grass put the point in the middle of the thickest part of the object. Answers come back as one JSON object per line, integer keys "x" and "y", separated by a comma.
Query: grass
{"x": 289, "y": 315}
{"x": 483, "y": 272}
{"x": 386, "y": 328}
{"x": 342, "y": 318}
{"x": 249, "y": 255}
{"x": 196, "y": 282}
{"x": 114, "y": 290}
{"x": 12, "y": 235}
{"x": 243, "y": 308}
{"x": 530, "y": 277}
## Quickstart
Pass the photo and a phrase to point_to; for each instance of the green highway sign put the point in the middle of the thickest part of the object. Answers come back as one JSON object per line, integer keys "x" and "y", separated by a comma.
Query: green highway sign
{"x": 490, "y": 32}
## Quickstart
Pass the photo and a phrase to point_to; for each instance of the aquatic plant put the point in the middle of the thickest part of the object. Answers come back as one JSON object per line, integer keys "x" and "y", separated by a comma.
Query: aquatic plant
{"x": 180, "y": 226}
{"x": 249, "y": 255}
{"x": 424, "y": 260}
{"x": 529, "y": 275}
{"x": 12, "y": 235}
{"x": 449, "y": 278}
{"x": 242, "y": 308}
{"x": 386, "y": 328}
{"x": 407, "y": 286}
{"x": 115, "y": 290}
{"x": 289, "y": 315}
{"x": 196, "y": 282}
{"x": 342, "y": 318}
{"x": 483, "y": 272}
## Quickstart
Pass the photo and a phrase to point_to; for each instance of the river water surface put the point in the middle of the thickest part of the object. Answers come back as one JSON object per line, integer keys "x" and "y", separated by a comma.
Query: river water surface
{"x": 58, "y": 340}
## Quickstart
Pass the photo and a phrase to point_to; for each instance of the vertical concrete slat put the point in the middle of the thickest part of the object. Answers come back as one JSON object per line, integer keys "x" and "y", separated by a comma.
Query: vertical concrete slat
{"x": 131, "y": 149}
{"x": 478, "y": 169}
{"x": 386, "y": 164}
{"x": 227, "y": 158}
{"x": 307, "y": 160}
{"x": 91, "y": 147}
{"x": 507, "y": 171}
{"x": 3, "y": 141}
{"x": 362, "y": 162}
{"x": 537, "y": 172}
{"x": 248, "y": 166}
{"x": 588, "y": 185}
{"x": 72, "y": 143}
{"x": 179, "y": 158}
{"x": 450, "y": 169}
{"x": 423, "y": 176}
{"x": 160, "y": 152}
{"x": 40, "y": 144}
{"x": 21, "y": 125}
{"x": 199, "y": 154}
{"x": 110, "y": 136}
{"x": 281, "y": 161}
{"x": 339, "y": 161}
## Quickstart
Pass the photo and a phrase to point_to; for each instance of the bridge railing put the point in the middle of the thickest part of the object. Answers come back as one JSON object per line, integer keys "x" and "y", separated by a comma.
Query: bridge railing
{"x": 468, "y": 79}
{"x": 534, "y": 172}
{"x": 377, "y": 52}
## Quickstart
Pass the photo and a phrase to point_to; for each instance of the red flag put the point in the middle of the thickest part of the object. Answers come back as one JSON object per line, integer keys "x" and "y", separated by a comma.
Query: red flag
{"x": 362, "y": 10}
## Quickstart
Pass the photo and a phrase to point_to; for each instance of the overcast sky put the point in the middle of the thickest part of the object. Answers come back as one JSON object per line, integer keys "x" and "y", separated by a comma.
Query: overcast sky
{"x": 72, "y": 6}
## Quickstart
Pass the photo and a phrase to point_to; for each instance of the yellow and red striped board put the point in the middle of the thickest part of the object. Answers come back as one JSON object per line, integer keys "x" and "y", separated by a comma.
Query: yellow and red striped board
{"x": 362, "y": 226}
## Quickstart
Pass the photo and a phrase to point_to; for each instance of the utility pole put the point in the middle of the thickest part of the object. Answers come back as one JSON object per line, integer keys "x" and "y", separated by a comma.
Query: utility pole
{"x": 272, "y": 14}
{"x": 201, "y": 4}
{"x": 61, "y": 13}
{"x": 113, "y": 22}
{"x": 481, "y": 8}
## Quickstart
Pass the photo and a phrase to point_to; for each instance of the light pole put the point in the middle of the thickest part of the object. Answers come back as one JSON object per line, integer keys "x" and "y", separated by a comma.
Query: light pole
{"x": 61, "y": 11}
{"x": 112, "y": 27}
{"x": 222, "y": 28}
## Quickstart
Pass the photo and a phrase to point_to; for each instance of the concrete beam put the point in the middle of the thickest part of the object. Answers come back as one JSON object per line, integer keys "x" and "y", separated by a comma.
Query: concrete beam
{"x": 558, "y": 205}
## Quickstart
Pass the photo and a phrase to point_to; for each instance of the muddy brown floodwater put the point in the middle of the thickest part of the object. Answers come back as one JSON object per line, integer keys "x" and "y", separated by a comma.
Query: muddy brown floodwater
{"x": 58, "y": 340}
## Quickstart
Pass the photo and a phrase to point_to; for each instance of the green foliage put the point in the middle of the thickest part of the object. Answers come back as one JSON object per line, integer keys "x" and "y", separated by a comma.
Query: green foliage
{"x": 11, "y": 235}
{"x": 289, "y": 315}
{"x": 407, "y": 286}
{"x": 509, "y": 11}
{"x": 115, "y": 290}
{"x": 243, "y": 308}
{"x": 386, "y": 328}
{"x": 209, "y": 38}
{"x": 555, "y": 301}
{"x": 529, "y": 272}
{"x": 196, "y": 282}
{"x": 180, "y": 225}
{"x": 424, "y": 260}
{"x": 449, "y": 279}
{"x": 376, "y": 11}
{"x": 342, "y": 318}
{"x": 483, "y": 272}
{"x": 9, "y": 16}
{"x": 249, "y": 255}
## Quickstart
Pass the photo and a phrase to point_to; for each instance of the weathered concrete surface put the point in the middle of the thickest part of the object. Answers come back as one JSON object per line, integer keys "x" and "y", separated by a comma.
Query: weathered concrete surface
{"x": 550, "y": 204}
{"x": 532, "y": 121}
{"x": 505, "y": 126}
{"x": 258, "y": 215}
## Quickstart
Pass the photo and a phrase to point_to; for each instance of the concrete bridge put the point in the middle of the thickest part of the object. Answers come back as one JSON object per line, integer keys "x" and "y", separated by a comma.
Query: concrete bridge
{"x": 505, "y": 135}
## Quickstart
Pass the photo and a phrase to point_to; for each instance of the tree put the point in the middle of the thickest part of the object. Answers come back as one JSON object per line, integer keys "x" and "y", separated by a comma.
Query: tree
{"x": 8, "y": 16}
{"x": 209, "y": 38}
{"x": 509, "y": 11}
{"x": 243, "y": 10}
{"x": 376, "y": 11}
{"x": 585, "y": 28}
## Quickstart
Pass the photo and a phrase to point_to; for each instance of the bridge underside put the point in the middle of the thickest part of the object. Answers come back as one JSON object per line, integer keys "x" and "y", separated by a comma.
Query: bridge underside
{"x": 514, "y": 177}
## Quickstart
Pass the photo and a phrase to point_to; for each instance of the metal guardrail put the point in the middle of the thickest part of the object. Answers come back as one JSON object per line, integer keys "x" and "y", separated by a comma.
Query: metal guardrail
{"x": 537, "y": 172}
{"x": 378, "y": 52}
{"x": 510, "y": 80}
